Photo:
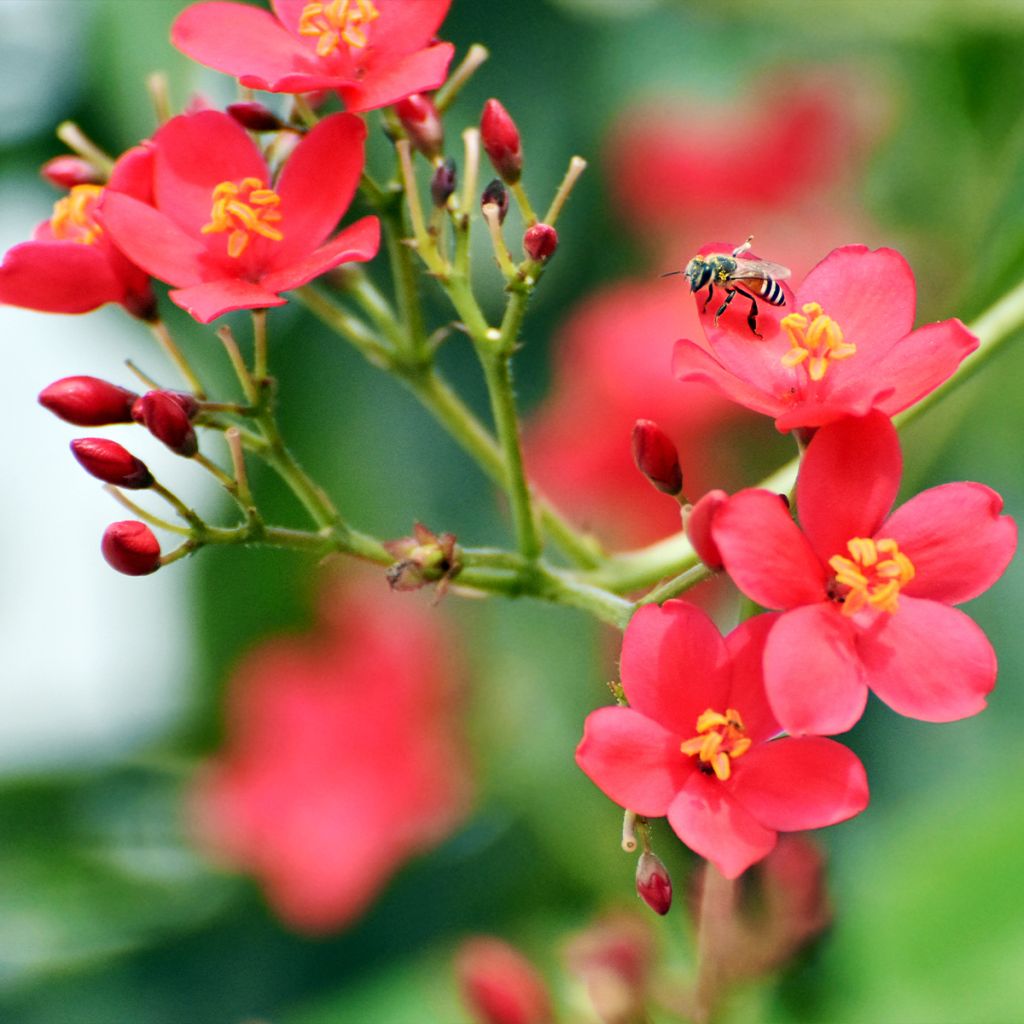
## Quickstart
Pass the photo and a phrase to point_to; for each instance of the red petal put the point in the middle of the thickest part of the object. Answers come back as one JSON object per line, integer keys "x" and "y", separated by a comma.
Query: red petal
{"x": 408, "y": 26}
{"x": 812, "y": 672}
{"x": 240, "y": 40}
{"x": 796, "y": 784}
{"x": 848, "y": 482}
{"x": 922, "y": 361}
{"x": 212, "y": 299}
{"x": 633, "y": 760}
{"x": 837, "y": 405}
{"x": 956, "y": 538}
{"x": 747, "y": 695}
{"x": 152, "y": 240}
{"x": 195, "y": 152}
{"x": 674, "y": 665}
{"x": 870, "y": 293}
{"x": 713, "y": 824}
{"x": 765, "y": 552}
{"x": 691, "y": 363}
{"x": 357, "y": 243}
{"x": 58, "y": 277}
{"x": 133, "y": 173}
{"x": 386, "y": 83}
{"x": 928, "y": 661}
{"x": 317, "y": 185}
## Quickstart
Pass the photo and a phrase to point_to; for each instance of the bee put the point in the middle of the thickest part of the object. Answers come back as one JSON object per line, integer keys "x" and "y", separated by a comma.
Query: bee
{"x": 753, "y": 279}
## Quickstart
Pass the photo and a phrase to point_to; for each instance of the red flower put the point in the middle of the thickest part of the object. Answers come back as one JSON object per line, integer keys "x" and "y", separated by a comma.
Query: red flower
{"x": 72, "y": 265}
{"x": 227, "y": 238}
{"x": 373, "y": 52}
{"x": 843, "y": 345}
{"x": 341, "y": 759}
{"x": 694, "y": 742}
{"x": 868, "y": 594}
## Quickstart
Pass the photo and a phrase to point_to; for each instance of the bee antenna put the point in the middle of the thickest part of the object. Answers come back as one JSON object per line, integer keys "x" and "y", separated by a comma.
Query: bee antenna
{"x": 670, "y": 273}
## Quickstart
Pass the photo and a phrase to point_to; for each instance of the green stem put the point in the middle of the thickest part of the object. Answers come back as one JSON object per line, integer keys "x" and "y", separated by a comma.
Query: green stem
{"x": 344, "y": 323}
{"x": 167, "y": 343}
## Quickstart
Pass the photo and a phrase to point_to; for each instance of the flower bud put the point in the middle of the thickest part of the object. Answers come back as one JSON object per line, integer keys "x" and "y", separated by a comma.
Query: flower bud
{"x": 108, "y": 461}
{"x": 68, "y": 171}
{"x": 442, "y": 184}
{"x": 499, "y": 985}
{"x": 496, "y": 195}
{"x": 165, "y": 415}
{"x": 255, "y": 117}
{"x": 540, "y": 241}
{"x": 422, "y": 123}
{"x": 698, "y": 528}
{"x": 131, "y": 547}
{"x": 656, "y": 457}
{"x": 88, "y": 401}
{"x": 500, "y": 137}
{"x": 653, "y": 884}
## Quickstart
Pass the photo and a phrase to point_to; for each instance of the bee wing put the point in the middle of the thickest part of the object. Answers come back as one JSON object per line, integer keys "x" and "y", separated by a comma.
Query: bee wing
{"x": 759, "y": 269}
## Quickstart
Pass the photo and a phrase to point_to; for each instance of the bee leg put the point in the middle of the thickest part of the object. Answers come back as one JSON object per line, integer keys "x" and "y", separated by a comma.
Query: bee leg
{"x": 752, "y": 315}
{"x": 711, "y": 292}
{"x": 729, "y": 296}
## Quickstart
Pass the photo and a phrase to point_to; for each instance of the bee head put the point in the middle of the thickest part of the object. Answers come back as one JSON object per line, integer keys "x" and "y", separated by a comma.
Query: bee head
{"x": 698, "y": 270}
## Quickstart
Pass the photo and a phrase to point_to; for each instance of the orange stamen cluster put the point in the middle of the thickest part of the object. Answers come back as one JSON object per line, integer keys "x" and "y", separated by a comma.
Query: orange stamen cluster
{"x": 719, "y": 739}
{"x": 74, "y": 217}
{"x": 815, "y": 340}
{"x": 245, "y": 208}
{"x": 875, "y": 573}
{"x": 337, "y": 22}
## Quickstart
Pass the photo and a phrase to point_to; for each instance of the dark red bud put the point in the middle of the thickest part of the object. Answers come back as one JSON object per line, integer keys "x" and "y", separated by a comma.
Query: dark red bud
{"x": 442, "y": 184}
{"x": 108, "y": 461}
{"x": 698, "y": 528}
{"x": 540, "y": 242}
{"x": 131, "y": 547}
{"x": 422, "y": 123}
{"x": 255, "y": 117}
{"x": 88, "y": 401}
{"x": 653, "y": 884}
{"x": 499, "y": 985}
{"x": 165, "y": 415}
{"x": 500, "y": 137}
{"x": 69, "y": 171}
{"x": 497, "y": 195}
{"x": 656, "y": 457}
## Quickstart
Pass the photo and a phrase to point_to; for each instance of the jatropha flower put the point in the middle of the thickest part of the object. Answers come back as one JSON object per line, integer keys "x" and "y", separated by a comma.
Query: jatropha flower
{"x": 226, "y": 236}
{"x": 372, "y": 52}
{"x": 843, "y": 346}
{"x": 868, "y": 595}
{"x": 696, "y": 744}
{"x": 72, "y": 265}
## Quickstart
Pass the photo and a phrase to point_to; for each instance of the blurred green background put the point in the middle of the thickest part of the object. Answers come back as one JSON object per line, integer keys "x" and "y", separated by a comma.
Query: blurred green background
{"x": 106, "y": 915}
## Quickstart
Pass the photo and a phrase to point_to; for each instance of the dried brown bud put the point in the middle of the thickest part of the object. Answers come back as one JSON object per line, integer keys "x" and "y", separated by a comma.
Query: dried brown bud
{"x": 131, "y": 547}
{"x": 656, "y": 457}
{"x": 442, "y": 184}
{"x": 495, "y": 194}
{"x": 500, "y": 138}
{"x": 255, "y": 117}
{"x": 88, "y": 401}
{"x": 108, "y": 461}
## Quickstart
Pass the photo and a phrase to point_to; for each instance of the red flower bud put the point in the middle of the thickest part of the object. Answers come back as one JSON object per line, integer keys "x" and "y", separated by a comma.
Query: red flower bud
{"x": 107, "y": 460}
{"x": 540, "y": 241}
{"x": 422, "y": 123}
{"x": 500, "y": 137}
{"x": 165, "y": 415}
{"x": 255, "y": 117}
{"x": 497, "y": 195}
{"x": 442, "y": 184}
{"x": 131, "y": 547}
{"x": 88, "y": 401}
{"x": 653, "y": 884}
{"x": 656, "y": 457}
{"x": 698, "y": 528}
{"x": 68, "y": 171}
{"x": 500, "y": 985}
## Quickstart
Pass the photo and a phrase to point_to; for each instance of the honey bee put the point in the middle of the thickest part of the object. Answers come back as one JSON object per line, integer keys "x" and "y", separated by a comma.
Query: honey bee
{"x": 753, "y": 279}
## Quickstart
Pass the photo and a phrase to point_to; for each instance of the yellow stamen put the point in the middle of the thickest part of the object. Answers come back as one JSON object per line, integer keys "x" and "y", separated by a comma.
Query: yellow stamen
{"x": 815, "y": 340}
{"x": 245, "y": 209}
{"x": 74, "y": 218}
{"x": 874, "y": 574}
{"x": 337, "y": 22}
{"x": 719, "y": 740}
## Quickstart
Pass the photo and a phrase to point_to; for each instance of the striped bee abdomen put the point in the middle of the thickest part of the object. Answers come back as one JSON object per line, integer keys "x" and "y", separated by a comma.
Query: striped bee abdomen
{"x": 771, "y": 291}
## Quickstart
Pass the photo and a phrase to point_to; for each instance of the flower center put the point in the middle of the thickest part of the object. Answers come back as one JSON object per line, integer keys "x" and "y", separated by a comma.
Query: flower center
{"x": 337, "y": 22}
{"x": 815, "y": 340}
{"x": 245, "y": 208}
{"x": 74, "y": 216}
{"x": 875, "y": 573}
{"x": 719, "y": 739}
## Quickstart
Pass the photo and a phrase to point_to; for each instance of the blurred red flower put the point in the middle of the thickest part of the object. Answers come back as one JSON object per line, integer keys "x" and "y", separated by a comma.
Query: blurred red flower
{"x": 342, "y": 757}
{"x": 373, "y": 52}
